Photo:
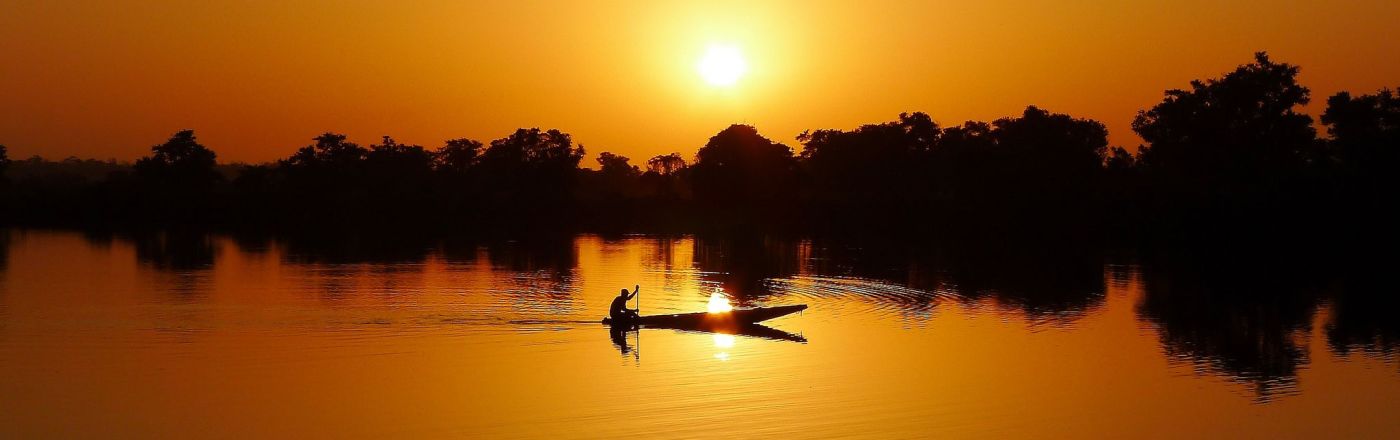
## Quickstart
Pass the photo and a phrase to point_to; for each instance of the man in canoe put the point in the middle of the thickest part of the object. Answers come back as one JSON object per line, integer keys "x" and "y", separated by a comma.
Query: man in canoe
{"x": 619, "y": 311}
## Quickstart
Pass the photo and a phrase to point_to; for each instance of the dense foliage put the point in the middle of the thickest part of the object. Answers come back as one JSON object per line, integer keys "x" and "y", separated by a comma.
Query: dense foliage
{"x": 1226, "y": 153}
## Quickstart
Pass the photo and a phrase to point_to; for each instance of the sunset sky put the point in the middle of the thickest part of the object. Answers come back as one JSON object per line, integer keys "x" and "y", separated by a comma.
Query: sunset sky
{"x": 257, "y": 79}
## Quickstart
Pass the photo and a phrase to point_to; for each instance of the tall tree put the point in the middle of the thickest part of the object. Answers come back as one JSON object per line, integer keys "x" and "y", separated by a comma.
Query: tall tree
{"x": 326, "y": 180}
{"x": 399, "y": 161}
{"x": 4, "y": 159}
{"x": 458, "y": 155}
{"x": 1119, "y": 160}
{"x": 738, "y": 165}
{"x": 535, "y": 150}
{"x": 180, "y": 162}
{"x": 1052, "y": 145}
{"x": 666, "y": 164}
{"x": 873, "y": 163}
{"x": 616, "y": 165}
{"x": 1040, "y": 162}
{"x": 1242, "y": 127}
{"x": 4, "y": 165}
{"x": 1365, "y": 132}
{"x": 329, "y": 150}
{"x": 532, "y": 164}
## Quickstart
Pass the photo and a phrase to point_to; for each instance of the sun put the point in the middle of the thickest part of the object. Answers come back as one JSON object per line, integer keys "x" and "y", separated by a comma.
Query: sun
{"x": 722, "y": 66}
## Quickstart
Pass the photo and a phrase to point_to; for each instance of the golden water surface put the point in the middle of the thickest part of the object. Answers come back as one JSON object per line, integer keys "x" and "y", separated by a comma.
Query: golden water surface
{"x": 179, "y": 336}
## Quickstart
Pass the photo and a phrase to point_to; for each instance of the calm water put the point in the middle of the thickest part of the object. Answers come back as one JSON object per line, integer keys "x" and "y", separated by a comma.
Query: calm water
{"x": 214, "y": 336}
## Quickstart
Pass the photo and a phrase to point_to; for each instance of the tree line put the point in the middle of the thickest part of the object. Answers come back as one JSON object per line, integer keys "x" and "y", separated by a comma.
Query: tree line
{"x": 1231, "y": 152}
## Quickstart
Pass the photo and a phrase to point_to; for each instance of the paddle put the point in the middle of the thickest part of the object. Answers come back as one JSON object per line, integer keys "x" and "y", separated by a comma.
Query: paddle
{"x": 637, "y": 291}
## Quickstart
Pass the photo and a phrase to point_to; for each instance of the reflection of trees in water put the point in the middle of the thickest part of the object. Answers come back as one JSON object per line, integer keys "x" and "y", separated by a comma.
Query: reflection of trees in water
{"x": 4, "y": 267}
{"x": 98, "y": 239}
{"x": 1053, "y": 283}
{"x": 1365, "y": 321}
{"x": 612, "y": 247}
{"x": 554, "y": 255}
{"x": 4, "y": 250}
{"x": 1120, "y": 272}
{"x": 1044, "y": 282}
{"x": 184, "y": 259}
{"x": 1364, "y": 312}
{"x": 1237, "y": 317}
{"x": 542, "y": 269}
{"x": 368, "y": 247}
{"x": 460, "y": 250}
{"x": 665, "y": 256}
{"x": 175, "y": 250}
{"x": 253, "y": 244}
{"x": 744, "y": 263}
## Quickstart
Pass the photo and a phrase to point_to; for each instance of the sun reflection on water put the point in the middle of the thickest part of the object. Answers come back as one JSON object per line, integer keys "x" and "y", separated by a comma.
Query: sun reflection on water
{"x": 723, "y": 341}
{"x": 718, "y": 303}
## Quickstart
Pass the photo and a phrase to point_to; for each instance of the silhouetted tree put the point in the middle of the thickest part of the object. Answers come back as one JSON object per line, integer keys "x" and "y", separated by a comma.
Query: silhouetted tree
{"x": 1037, "y": 162}
{"x": 666, "y": 164}
{"x": 1366, "y": 139}
{"x": 174, "y": 184}
{"x": 739, "y": 166}
{"x": 1221, "y": 148}
{"x": 1041, "y": 163}
{"x": 325, "y": 181}
{"x": 400, "y": 178}
{"x": 458, "y": 155}
{"x": 179, "y": 162}
{"x": 877, "y": 163}
{"x": 533, "y": 148}
{"x": 1119, "y": 160}
{"x": 1239, "y": 130}
{"x": 1049, "y": 144}
{"x": 1121, "y": 187}
{"x": 617, "y": 165}
{"x": 664, "y": 178}
{"x": 331, "y": 150}
{"x": 457, "y": 162}
{"x": 962, "y": 165}
{"x": 258, "y": 193}
{"x": 391, "y": 162}
{"x": 614, "y": 184}
{"x": 1053, "y": 157}
{"x": 1233, "y": 154}
{"x": 531, "y": 167}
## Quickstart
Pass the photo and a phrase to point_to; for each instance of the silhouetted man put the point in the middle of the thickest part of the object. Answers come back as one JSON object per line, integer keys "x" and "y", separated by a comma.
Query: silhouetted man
{"x": 619, "y": 310}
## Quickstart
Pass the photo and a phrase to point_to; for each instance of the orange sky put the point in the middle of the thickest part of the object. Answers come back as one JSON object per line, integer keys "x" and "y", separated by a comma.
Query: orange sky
{"x": 257, "y": 79}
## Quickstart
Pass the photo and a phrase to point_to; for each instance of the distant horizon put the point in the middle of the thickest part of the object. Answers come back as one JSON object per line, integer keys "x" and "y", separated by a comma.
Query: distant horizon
{"x": 591, "y": 152}
{"x": 19, "y": 151}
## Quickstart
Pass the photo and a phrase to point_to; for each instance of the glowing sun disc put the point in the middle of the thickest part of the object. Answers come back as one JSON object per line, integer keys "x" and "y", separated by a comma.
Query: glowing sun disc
{"x": 723, "y": 65}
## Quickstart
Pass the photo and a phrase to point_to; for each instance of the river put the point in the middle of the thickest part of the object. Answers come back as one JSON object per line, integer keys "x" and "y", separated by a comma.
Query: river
{"x": 181, "y": 335}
